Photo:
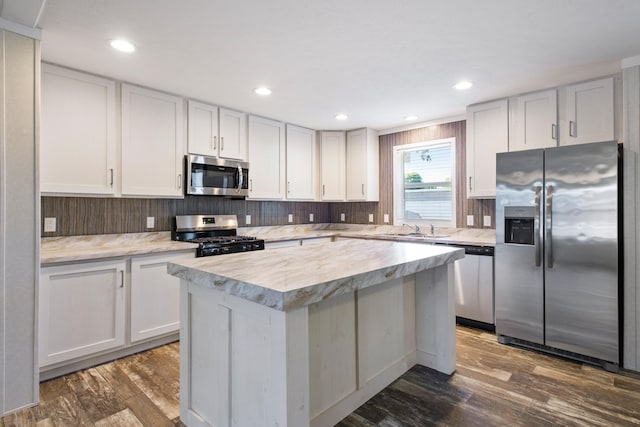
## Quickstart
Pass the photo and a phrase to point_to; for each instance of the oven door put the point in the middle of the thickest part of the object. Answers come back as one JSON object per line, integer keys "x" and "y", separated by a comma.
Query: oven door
{"x": 217, "y": 177}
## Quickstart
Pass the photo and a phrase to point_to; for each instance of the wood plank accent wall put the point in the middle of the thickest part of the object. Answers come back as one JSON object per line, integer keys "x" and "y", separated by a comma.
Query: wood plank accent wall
{"x": 476, "y": 207}
{"x": 89, "y": 215}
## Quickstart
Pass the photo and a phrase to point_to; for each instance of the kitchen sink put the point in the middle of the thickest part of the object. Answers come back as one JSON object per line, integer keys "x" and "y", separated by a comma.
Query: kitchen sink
{"x": 421, "y": 235}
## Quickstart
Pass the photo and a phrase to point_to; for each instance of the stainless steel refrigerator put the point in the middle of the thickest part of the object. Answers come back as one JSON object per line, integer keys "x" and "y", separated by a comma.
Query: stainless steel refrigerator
{"x": 556, "y": 255}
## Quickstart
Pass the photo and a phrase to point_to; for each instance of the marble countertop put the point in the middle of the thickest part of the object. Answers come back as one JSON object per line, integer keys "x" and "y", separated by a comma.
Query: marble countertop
{"x": 80, "y": 248}
{"x": 461, "y": 236}
{"x": 55, "y": 250}
{"x": 293, "y": 277}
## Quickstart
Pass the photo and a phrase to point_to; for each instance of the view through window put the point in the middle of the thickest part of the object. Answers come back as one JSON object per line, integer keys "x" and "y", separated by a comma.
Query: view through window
{"x": 424, "y": 183}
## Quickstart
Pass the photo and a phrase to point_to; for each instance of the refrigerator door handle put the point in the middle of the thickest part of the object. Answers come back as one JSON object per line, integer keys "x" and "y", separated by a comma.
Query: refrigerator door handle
{"x": 536, "y": 225}
{"x": 549, "y": 224}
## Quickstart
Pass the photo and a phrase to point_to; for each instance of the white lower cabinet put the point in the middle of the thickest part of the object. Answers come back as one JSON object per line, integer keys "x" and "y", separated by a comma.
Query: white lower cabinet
{"x": 81, "y": 310}
{"x": 106, "y": 309}
{"x": 155, "y": 297}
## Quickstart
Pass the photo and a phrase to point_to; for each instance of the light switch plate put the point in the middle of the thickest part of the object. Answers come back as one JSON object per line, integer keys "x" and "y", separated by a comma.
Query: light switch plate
{"x": 342, "y": 217}
{"x": 486, "y": 222}
{"x": 50, "y": 225}
{"x": 247, "y": 219}
{"x": 470, "y": 220}
{"x": 290, "y": 219}
{"x": 370, "y": 217}
{"x": 310, "y": 217}
{"x": 386, "y": 218}
{"x": 151, "y": 221}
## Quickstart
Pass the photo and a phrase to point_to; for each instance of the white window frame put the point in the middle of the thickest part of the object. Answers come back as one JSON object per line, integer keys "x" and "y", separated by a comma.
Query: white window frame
{"x": 398, "y": 183}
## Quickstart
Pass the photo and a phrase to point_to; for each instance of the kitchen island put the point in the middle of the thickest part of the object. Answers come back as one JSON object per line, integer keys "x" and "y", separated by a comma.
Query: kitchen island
{"x": 303, "y": 336}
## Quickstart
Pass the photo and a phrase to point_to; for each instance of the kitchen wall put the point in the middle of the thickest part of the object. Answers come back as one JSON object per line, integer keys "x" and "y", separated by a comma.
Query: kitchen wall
{"x": 476, "y": 207}
{"x": 89, "y": 215}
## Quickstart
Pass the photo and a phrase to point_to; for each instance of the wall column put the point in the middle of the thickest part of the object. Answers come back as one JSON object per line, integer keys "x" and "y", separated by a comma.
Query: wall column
{"x": 19, "y": 220}
{"x": 631, "y": 140}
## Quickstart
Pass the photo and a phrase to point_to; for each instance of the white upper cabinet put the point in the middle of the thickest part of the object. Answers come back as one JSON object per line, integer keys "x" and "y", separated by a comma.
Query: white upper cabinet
{"x": 233, "y": 134}
{"x": 536, "y": 119}
{"x": 487, "y": 134}
{"x": 301, "y": 163}
{"x": 78, "y": 133}
{"x": 589, "y": 112}
{"x": 216, "y": 132}
{"x": 362, "y": 165}
{"x": 332, "y": 166}
{"x": 152, "y": 143}
{"x": 266, "y": 159}
{"x": 202, "y": 133}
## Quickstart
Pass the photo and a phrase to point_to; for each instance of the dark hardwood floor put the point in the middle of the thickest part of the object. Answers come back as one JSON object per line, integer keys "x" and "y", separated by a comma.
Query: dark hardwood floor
{"x": 494, "y": 385}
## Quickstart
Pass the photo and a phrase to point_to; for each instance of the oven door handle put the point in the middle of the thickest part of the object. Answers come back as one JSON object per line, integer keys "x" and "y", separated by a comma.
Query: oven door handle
{"x": 240, "y": 179}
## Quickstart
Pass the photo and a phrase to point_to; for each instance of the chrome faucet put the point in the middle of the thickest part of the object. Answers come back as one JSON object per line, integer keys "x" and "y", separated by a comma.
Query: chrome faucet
{"x": 415, "y": 227}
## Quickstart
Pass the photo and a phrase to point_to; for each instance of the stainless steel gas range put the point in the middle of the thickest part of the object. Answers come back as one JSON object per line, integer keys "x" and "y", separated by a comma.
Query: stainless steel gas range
{"x": 214, "y": 234}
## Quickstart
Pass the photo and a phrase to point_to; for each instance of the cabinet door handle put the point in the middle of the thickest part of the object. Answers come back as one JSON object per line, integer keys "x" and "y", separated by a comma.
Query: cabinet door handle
{"x": 323, "y": 190}
{"x": 470, "y": 187}
{"x": 122, "y": 278}
{"x": 111, "y": 172}
{"x": 215, "y": 142}
{"x": 362, "y": 189}
{"x": 554, "y": 133}
{"x": 222, "y": 143}
{"x": 572, "y": 128}
{"x": 179, "y": 181}
{"x": 250, "y": 184}
{"x": 289, "y": 187}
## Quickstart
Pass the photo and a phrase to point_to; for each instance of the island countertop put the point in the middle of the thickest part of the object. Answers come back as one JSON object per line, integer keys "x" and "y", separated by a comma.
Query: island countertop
{"x": 287, "y": 278}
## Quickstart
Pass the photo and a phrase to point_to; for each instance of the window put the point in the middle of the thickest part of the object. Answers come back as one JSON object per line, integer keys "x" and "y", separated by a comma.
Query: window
{"x": 424, "y": 187}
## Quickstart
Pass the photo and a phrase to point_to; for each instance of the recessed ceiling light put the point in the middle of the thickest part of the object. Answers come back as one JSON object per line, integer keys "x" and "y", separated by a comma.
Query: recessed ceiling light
{"x": 463, "y": 85}
{"x": 122, "y": 45}
{"x": 342, "y": 116}
{"x": 411, "y": 117}
{"x": 262, "y": 91}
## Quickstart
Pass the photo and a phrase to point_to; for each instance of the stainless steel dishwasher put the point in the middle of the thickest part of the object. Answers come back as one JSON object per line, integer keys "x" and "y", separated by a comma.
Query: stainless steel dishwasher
{"x": 474, "y": 287}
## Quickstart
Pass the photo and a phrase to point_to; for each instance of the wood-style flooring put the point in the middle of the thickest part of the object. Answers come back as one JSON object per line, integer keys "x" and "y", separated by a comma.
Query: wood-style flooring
{"x": 494, "y": 385}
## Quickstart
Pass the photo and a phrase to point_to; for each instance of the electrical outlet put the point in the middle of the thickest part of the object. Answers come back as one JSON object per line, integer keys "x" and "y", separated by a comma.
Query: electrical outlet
{"x": 50, "y": 225}
{"x": 370, "y": 217}
{"x": 290, "y": 219}
{"x": 486, "y": 221}
{"x": 470, "y": 220}
{"x": 342, "y": 217}
{"x": 310, "y": 217}
{"x": 386, "y": 218}
{"x": 247, "y": 219}
{"x": 151, "y": 221}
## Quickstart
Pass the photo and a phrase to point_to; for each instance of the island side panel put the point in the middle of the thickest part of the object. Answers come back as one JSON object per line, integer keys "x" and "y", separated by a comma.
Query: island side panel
{"x": 241, "y": 363}
{"x": 435, "y": 319}
{"x": 359, "y": 344}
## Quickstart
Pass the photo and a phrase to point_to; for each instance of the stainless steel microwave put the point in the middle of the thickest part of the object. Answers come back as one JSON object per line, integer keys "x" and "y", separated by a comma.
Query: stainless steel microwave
{"x": 216, "y": 177}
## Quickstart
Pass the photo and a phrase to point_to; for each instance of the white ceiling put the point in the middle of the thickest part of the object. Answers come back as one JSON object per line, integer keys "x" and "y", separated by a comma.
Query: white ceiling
{"x": 375, "y": 60}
